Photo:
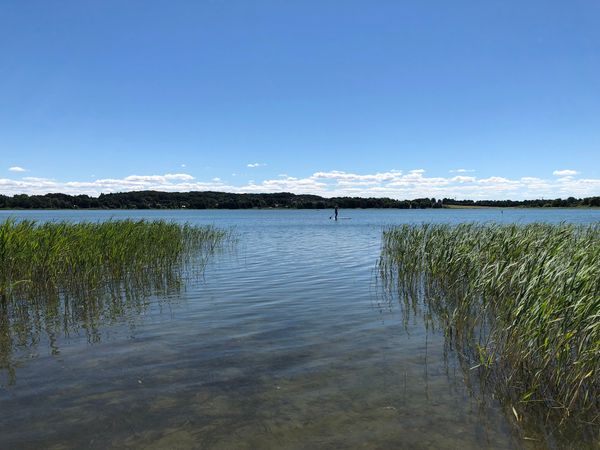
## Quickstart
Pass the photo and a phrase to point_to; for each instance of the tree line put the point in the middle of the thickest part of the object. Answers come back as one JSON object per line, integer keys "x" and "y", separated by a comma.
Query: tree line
{"x": 224, "y": 200}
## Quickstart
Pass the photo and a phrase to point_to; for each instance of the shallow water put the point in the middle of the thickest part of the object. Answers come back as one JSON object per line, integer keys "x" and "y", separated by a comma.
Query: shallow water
{"x": 285, "y": 342}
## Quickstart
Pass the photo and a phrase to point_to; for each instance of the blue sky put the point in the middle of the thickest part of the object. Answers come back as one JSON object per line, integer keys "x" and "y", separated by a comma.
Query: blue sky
{"x": 467, "y": 99}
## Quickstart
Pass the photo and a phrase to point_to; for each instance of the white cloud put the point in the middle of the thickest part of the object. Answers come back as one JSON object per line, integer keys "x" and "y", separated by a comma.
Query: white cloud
{"x": 393, "y": 183}
{"x": 178, "y": 176}
{"x": 565, "y": 173}
{"x": 463, "y": 179}
{"x": 253, "y": 165}
{"x": 48, "y": 180}
{"x": 16, "y": 169}
{"x": 158, "y": 178}
{"x": 339, "y": 175}
{"x": 495, "y": 180}
{"x": 461, "y": 171}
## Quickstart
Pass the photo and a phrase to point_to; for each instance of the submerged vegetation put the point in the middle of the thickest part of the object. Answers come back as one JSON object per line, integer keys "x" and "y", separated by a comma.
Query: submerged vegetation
{"x": 519, "y": 303}
{"x": 60, "y": 277}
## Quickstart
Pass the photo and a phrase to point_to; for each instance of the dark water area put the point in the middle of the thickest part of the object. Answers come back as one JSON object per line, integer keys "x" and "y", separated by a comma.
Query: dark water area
{"x": 285, "y": 341}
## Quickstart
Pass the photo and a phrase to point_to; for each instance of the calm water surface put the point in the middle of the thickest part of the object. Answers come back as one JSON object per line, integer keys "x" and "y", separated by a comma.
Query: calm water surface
{"x": 285, "y": 342}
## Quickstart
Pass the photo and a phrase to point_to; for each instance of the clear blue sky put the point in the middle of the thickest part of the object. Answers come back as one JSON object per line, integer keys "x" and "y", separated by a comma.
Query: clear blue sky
{"x": 93, "y": 92}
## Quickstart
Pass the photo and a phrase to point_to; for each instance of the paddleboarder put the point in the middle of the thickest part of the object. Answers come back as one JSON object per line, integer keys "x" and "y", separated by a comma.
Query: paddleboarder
{"x": 336, "y": 212}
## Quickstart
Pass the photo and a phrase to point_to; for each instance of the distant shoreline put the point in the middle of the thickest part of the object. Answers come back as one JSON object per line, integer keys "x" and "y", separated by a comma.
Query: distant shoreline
{"x": 517, "y": 207}
{"x": 300, "y": 209}
{"x": 156, "y": 200}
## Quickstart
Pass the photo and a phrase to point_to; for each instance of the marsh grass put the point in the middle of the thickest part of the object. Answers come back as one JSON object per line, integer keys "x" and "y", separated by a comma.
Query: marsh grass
{"x": 60, "y": 277}
{"x": 519, "y": 303}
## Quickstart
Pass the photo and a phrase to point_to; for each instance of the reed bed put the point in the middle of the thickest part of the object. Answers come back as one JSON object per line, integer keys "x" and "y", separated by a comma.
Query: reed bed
{"x": 59, "y": 277}
{"x": 520, "y": 302}
{"x": 36, "y": 258}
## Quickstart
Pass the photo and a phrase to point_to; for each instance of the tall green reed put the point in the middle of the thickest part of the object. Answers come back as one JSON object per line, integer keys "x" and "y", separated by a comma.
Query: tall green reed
{"x": 520, "y": 302}
{"x": 60, "y": 277}
{"x": 36, "y": 258}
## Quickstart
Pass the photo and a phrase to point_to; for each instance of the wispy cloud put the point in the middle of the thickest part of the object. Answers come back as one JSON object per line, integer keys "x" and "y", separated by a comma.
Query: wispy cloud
{"x": 393, "y": 183}
{"x": 159, "y": 178}
{"x": 565, "y": 173}
{"x": 463, "y": 179}
{"x": 462, "y": 171}
{"x": 17, "y": 169}
{"x": 253, "y": 165}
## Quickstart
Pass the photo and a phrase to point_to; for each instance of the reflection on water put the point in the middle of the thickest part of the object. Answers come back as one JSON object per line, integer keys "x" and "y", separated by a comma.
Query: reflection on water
{"x": 285, "y": 343}
{"x": 27, "y": 322}
{"x": 437, "y": 269}
{"x": 535, "y": 424}
{"x": 59, "y": 278}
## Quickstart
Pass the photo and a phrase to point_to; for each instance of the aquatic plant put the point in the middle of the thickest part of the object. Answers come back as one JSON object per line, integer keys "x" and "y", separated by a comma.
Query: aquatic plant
{"x": 60, "y": 277}
{"x": 521, "y": 303}
{"x": 36, "y": 258}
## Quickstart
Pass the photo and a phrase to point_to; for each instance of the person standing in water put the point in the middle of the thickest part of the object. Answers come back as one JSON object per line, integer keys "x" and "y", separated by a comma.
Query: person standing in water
{"x": 336, "y": 212}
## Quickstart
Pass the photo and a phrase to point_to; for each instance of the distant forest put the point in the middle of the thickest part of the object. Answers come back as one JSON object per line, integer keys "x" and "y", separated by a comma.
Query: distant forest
{"x": 223, "y": 200}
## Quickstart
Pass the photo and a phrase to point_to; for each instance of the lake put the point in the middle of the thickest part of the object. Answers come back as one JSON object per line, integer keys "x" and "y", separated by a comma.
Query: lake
{"x": 284, "y": 341}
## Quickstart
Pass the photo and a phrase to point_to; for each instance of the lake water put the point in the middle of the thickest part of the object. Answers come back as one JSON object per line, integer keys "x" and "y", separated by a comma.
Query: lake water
{"x": 285, "y": 342}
